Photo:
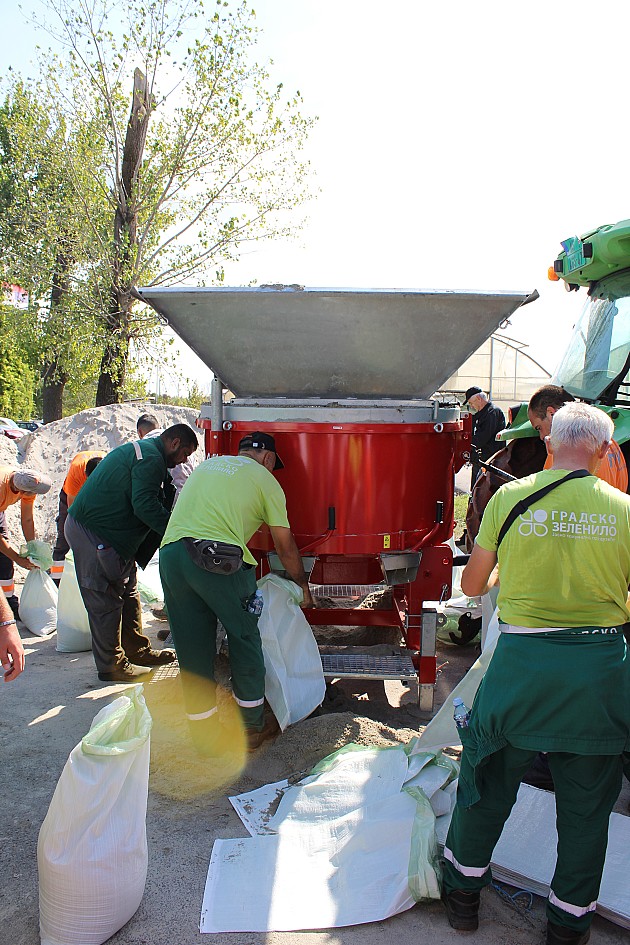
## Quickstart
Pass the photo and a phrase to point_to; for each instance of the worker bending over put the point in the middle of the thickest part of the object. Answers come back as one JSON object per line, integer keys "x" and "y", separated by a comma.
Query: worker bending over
{"x": 118, "y": 519}
{"x": 81, "y": 466}
{"x": 226, "y": 499}
{"x": 23, "y": 486}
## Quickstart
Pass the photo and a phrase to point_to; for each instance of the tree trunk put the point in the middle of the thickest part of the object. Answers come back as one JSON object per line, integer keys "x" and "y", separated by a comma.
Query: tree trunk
{"x": 111, "y": 381}
{"x": 53, "y": 384}
{"x": 54, "y": 378}
{"x": 114, "y": 362}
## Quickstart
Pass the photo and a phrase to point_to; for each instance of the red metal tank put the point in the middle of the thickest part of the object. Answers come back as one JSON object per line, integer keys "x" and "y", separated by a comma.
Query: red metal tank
{"x": 380, "y": 482}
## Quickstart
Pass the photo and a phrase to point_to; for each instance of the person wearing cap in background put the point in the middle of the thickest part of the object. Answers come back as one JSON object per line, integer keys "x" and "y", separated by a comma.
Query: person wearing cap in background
{"x": 487, "y": 422}
{"x": 544, "y": 403}
{"x": 17, "y": 485}
{"x": 226, "y": 499}
{"x": 118, "y": 519}
{"x": 82, "y": 465}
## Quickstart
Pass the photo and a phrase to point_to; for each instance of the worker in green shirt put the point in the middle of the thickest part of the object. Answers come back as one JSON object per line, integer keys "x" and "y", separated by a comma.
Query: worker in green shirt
{"x": 117, "y": 519}
{"x": 559, "y": 679}
{"x": 226, "y": 499}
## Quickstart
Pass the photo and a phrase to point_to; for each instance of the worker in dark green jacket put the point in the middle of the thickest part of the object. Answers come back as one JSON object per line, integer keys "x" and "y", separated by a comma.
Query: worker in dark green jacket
{"x": 118, "y": 519}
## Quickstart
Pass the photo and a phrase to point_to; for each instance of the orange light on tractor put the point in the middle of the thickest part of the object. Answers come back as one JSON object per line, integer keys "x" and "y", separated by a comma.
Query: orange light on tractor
{"x": 552, "y": 275}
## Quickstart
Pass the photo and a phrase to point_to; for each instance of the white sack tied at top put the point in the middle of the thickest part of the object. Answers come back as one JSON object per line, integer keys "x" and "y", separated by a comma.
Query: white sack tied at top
{"x": 92, "y": 849}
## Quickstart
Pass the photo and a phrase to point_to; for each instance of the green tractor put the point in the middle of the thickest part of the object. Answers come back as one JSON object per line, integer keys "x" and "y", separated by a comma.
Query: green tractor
{"x": 596, "y": 364}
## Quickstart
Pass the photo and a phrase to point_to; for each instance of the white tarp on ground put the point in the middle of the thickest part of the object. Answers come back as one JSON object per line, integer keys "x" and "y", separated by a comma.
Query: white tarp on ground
{"x": 354, "y": 842}
{"x": 525, "y": 855}
{"x": 304, "y": 870}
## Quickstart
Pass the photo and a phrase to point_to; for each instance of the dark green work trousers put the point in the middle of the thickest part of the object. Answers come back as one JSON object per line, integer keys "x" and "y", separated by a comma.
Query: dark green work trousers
{"x": 586, "y": 787}
{"x": 195, "y": 599}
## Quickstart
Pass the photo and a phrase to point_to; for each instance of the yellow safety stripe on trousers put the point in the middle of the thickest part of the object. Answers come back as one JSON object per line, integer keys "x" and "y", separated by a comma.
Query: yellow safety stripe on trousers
{"x": 199, "y": 716}
{"x": 249, "y": 705}
{"x": 465, "y": 870}
{"x": 577, "y": 911}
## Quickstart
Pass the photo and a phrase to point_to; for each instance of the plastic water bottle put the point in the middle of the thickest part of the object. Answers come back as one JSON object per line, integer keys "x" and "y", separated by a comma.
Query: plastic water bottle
{"x": 255, "y": 604}
{"x": 461, "y": 713}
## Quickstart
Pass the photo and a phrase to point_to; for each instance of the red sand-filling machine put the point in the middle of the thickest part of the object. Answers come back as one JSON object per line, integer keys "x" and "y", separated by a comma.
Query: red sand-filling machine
{"x": 344, "y": 381}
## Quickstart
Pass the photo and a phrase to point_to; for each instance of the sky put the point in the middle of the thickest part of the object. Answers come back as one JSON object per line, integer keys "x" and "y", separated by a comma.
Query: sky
{"x": 457, "y": 144}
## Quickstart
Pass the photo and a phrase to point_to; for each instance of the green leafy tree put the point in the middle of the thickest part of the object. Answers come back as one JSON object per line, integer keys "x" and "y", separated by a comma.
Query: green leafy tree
{"x": 48, "y": 248}
{"x": 206, "y": 159}
{"x": 194, "y": 398}
{"x": 17, "y": 376}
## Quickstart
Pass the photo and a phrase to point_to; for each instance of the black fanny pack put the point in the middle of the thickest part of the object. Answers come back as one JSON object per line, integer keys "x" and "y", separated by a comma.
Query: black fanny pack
{"x": 215, "y": 556}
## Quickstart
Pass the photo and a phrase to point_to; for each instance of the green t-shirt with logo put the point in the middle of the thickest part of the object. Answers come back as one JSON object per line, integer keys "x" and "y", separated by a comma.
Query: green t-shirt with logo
{"x": 227, "y": 498}
{"x": 566, "y": 561}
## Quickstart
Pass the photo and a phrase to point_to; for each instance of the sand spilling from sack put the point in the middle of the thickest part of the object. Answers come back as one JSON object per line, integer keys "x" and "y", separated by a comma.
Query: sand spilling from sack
{"x": 178, "y": 772}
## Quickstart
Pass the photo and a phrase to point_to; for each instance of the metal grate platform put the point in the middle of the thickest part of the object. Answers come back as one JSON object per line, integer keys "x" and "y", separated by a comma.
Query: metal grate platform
{"x": 169, "y": 671}
{"x": 346, "y": 590}
{"x": 361, "y": 665}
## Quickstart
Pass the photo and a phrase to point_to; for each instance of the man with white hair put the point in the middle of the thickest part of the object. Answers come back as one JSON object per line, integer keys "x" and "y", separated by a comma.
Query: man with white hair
{"x": 488, "y": 420}
{"x": 17, "y": 485}
{"x": 559, "y": 679}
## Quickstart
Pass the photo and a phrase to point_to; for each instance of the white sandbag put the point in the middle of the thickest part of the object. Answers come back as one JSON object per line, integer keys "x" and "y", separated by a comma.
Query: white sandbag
{"x": 38, "y": 603}
{"x": 149, "y": 582}
{"x": 355, "y": 842}
{"x": 342, "y": 782}
{"x": 92, "y": 849}
{"x": 73, "y": 627}
{"x": 441, "y": 730}
{"x": 346, "y": 871}
{"x": 294, "y": 679}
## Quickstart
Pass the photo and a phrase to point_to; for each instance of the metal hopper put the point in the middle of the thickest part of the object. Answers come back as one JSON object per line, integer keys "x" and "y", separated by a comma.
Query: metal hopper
{"x": 333, "y": 343}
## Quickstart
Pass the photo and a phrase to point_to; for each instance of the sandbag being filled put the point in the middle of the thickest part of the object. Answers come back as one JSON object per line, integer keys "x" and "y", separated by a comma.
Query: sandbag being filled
{"x": 38, "y": 603}
{"x": 294, "y": 678}
{"x": 73, "y": 627}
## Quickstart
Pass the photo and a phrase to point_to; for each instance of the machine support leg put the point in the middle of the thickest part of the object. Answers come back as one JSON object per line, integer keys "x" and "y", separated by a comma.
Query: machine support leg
{"x": 427, "y": 669}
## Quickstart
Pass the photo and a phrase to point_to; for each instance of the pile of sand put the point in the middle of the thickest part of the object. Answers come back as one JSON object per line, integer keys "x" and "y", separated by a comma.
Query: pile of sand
{"x": 51, "y": 449}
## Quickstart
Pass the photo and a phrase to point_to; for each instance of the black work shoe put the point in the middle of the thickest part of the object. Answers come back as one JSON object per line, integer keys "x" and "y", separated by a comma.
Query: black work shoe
{"x": 163, "y": 633}
{"x": 154, "y": 657}
{"x": 14, "y": 604}
{"x": 561, "y": 935}
{"x": 126, "y": 672}
{"x": 462, "y": 909}
{"x": 255, "y": 739}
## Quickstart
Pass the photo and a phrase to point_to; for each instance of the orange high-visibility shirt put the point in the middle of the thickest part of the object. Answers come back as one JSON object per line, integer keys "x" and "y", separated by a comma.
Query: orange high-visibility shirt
{"x": 612, "y": 468}
{"x": 76, "y": 476}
